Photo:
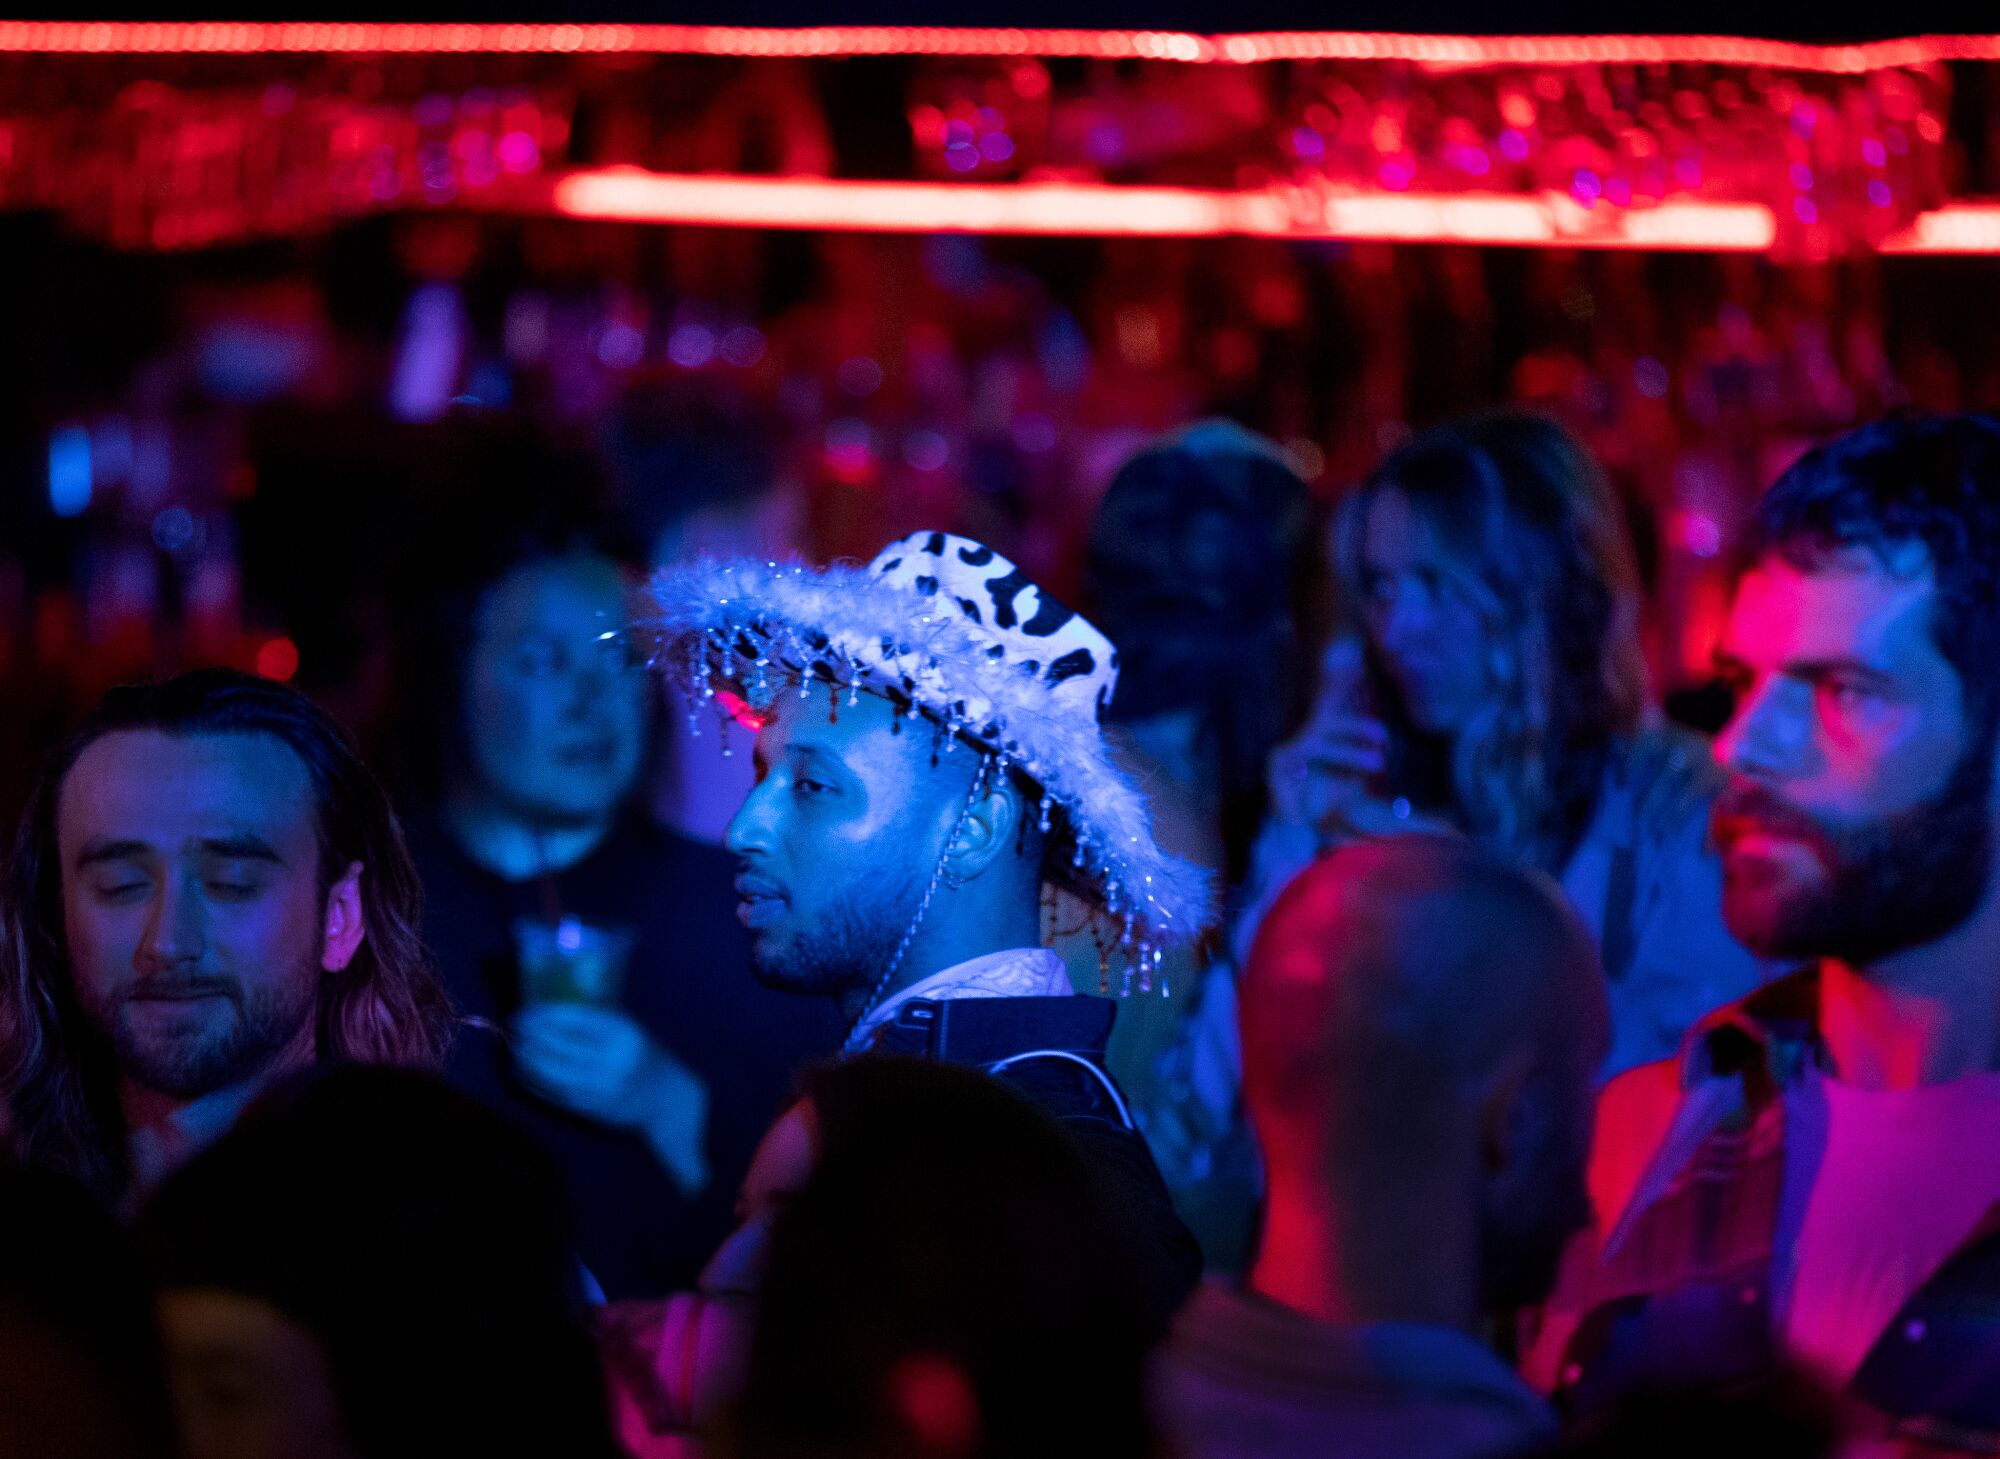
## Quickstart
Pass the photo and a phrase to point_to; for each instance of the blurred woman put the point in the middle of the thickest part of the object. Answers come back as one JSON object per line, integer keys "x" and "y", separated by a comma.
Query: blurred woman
{"x": 1488, "y": 680}
{"x": 1496, "y": 684}
{"x": 601, "y": 948}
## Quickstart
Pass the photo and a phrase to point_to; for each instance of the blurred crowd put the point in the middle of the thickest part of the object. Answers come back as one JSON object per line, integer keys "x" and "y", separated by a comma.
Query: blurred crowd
{"x": 914, "y": 848}
{"x": 247, "y": 456}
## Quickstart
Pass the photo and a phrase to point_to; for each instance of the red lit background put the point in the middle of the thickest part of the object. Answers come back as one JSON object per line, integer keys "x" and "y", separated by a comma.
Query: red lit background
{"x": 957, "y": 273}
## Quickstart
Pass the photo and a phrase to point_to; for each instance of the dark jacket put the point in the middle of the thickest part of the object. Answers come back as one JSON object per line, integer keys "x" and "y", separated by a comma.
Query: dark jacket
{"x": 690, "y": 987}
{"x": 1673, "y": 1289}
{"x": 1051, "y": 1051}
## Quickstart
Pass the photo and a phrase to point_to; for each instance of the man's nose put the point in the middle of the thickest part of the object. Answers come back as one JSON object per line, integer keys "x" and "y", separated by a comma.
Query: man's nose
{"x": 1769, "y": 729}
{"x": 749, "y": 830}
{"x": 175, "y": 935}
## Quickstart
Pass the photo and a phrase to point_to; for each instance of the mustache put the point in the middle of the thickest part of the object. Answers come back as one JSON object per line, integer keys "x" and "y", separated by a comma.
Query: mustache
{"x": 169, "y": 985}
{"x": 1745, "y": 807}
{"x": 750, "y": 883}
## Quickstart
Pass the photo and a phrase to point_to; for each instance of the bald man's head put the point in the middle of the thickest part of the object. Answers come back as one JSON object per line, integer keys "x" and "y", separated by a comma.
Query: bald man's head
{"x": 1412, "y": 1002}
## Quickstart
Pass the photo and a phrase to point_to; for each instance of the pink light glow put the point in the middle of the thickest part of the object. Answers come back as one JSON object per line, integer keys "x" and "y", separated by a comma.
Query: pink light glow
{"x": 1087, "y": 209}
{"x": 738, "y": 708}
{"x": 213, "y": 38}
{"x": 278, "y": 658}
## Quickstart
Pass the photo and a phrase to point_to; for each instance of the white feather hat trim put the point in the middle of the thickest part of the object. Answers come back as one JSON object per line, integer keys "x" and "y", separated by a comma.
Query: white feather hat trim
{"x": 745, "y": 621}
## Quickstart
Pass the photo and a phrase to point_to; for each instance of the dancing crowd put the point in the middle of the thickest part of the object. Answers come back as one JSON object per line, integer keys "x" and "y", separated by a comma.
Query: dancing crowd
{"x": 1311, "y": 1001}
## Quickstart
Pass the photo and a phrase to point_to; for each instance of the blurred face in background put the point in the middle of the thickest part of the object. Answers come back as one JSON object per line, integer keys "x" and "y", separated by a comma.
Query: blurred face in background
{"x": 555, "y": 698}
{"x": 1423, "y": 626}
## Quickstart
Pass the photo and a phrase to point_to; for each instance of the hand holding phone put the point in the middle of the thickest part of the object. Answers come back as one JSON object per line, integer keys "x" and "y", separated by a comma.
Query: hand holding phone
{"x": 1337, "y": 763}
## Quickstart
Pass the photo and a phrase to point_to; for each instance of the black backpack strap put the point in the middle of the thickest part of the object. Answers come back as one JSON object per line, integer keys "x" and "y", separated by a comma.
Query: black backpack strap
{"x": 1104, "y": 1080}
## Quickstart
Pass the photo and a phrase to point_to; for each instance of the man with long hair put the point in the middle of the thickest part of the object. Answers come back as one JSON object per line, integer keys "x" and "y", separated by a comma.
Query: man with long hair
{"x": 208, "y": 889}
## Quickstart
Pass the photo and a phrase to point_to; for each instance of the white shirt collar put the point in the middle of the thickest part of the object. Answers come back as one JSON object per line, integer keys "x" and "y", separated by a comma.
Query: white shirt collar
{"x": 1018, "y": 972}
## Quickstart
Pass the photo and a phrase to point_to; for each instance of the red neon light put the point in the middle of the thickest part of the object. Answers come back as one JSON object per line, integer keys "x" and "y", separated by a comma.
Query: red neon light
{"x": 222, "y": 38}
{"x": 1957, "y": 228}
{"x": 1087, "y": 209}
{"x": 225, "y": 38}
{"x": 1445, "y": 51}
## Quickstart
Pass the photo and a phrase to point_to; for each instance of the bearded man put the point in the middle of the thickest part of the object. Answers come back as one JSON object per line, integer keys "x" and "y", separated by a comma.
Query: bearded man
{"x": 1810, "y": 1181}
{"x": 209, "y": 890}
{"x": 931, "y": 785}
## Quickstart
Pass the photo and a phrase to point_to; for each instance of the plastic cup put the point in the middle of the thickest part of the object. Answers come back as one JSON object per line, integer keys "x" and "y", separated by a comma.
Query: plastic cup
{"x": 571, "y": 961}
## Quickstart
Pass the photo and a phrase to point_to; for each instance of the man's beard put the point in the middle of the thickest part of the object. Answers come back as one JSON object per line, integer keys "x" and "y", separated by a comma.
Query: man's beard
{"x": 1886, "y": 885}
{"x": 846, "y": 947}
{"x": 267, "y": 1021}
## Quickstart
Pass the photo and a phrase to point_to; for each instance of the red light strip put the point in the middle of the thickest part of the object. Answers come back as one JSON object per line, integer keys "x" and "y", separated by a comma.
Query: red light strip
{"x": 1955, "y": 228}
{"x": 219, "y": 38}
{"x": 1095, "y": 210}
{"x": 1456, "y": 51}
{"x": 225, "y": 38}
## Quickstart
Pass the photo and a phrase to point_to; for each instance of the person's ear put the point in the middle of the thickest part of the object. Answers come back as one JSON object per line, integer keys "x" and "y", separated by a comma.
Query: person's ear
{"x": 345, "y": 926}
{"x": 1504, "y": 1115}
{"x": 987, "y": 831}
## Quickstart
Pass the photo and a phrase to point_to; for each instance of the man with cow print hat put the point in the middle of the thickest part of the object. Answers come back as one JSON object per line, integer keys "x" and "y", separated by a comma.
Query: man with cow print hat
{"x": 931, "y": 774}
{"x": 932, "y": 786}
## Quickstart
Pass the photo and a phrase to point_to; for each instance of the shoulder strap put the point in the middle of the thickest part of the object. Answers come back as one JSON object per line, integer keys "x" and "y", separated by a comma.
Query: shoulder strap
{"x": 999, "y": 1066}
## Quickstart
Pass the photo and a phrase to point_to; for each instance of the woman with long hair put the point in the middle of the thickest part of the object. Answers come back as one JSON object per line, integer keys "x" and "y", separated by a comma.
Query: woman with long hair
{"x": 1494, "y": 682}
{"x": 1487, "y": 679}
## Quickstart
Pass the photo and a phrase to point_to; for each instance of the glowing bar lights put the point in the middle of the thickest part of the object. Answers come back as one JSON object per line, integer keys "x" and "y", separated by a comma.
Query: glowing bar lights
{"x": 1090, "y": 209}
{"x": 1958, "y": 228}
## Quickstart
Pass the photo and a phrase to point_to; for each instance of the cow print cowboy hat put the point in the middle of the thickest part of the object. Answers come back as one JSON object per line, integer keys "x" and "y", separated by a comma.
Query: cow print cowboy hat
{"x": 948, "y": 629}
